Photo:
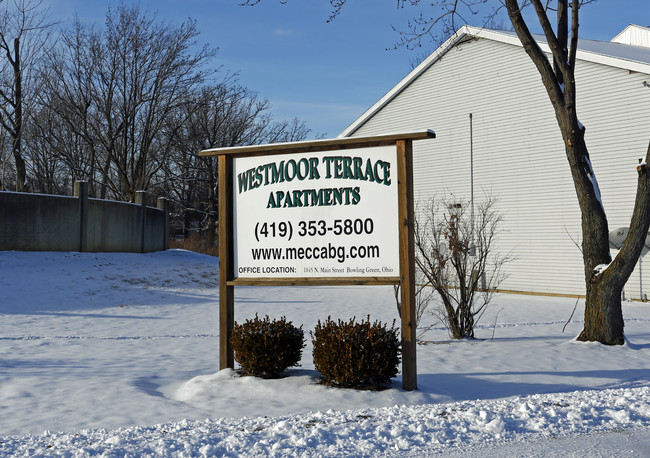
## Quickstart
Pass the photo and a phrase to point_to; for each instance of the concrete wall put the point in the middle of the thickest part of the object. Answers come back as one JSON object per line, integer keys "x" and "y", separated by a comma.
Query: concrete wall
{"x": 31, "y": 222}
{"x": 37, "y": 222}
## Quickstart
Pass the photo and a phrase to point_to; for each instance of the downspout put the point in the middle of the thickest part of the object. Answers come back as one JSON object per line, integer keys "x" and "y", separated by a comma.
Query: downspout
{"x": 471, "y": 185}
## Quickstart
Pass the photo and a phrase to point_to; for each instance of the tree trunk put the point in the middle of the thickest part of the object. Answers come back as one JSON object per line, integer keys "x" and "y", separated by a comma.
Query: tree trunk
{"x": 603, "y": 314}
{"x": 21, "y": 172}
{"x": 105, "y": 172}
{"x": 603, "y": 320}
{"x": 452, "y": 315}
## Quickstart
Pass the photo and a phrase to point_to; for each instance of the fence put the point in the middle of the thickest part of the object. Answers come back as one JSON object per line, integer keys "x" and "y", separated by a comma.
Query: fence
{"x": 38, "y": 222}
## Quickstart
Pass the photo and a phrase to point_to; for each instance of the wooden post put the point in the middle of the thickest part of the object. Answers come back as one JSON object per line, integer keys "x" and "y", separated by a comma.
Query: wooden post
{"x": 226, "y": 292}
{"x": 81, "y": 192}
{"x": 141, "y": 199}
{"x": 407, "y": 262}
{"x": 162, "y": 204}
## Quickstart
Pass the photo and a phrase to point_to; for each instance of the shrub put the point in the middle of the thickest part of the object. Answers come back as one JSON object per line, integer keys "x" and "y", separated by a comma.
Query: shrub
{"x": 266, "y": 348}
{"x": 350, "y": 354}
{"x": 456, "y": 253}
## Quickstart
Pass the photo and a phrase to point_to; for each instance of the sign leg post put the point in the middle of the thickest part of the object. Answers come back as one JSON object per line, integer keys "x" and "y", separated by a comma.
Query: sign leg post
{"x": 226, "y": 323}
{"x": 226, "y": 292}
{"x": 407, "y": 263}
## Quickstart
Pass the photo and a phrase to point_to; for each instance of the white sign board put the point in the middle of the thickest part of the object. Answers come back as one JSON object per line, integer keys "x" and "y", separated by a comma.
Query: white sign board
{"x": 325, "y": 214}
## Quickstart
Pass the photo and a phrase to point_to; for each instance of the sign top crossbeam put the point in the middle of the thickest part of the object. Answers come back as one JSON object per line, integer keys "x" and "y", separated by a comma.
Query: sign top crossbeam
{"x": 318, "y": 145}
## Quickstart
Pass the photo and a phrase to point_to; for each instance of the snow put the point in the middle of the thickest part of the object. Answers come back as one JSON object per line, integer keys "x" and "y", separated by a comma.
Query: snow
{"x": 600, "y": 268}
{"x": 594, "y": 183}
{"x": 117, "y": 354}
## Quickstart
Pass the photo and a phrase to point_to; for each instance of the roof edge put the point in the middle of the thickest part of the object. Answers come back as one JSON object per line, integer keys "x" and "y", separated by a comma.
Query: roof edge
{"x": 410, "y": 77}
{"x": 463, "y": 34}
{"x": 458, "y": 37}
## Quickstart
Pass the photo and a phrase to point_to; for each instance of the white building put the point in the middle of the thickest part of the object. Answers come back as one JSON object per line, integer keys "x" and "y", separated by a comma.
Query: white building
{"x": 518, "y": 153}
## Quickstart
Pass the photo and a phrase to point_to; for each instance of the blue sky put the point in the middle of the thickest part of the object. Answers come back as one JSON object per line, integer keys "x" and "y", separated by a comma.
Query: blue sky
{"x": 326, "y": 74}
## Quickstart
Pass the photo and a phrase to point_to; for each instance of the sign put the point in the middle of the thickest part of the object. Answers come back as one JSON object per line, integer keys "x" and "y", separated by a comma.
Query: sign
{"x": 321, "y": 214}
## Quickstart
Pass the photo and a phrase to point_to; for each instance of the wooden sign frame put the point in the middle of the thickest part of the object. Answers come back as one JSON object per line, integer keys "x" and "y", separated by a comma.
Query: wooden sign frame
{"x": 406, "y": 279}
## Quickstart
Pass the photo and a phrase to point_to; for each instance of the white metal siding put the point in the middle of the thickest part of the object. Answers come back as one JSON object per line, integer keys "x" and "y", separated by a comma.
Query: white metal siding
{"x": 634, "y": 35}
{"x": 519, "y": 154}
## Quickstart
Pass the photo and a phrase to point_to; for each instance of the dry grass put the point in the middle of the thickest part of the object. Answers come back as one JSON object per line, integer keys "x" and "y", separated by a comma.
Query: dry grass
{"x": 198, "y": 242}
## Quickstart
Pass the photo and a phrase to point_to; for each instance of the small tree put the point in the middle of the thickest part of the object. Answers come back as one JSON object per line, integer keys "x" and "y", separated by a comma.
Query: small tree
{"x": 454, "y": 246}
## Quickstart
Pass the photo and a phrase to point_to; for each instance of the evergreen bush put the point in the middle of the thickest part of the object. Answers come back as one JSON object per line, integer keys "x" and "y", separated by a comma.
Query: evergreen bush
{"x": 266, "y": 348}
{"x": 350, "y": 354}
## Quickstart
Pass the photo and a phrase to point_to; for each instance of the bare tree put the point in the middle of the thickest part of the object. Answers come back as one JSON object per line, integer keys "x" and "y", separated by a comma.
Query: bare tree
{"x": 223, "y": 115}
{"x": 47, "y": 169}
{"x": 604, "y": 278}
{"x": 153, "y": 68}
{"x": 118, "y": 93}
{"x": 68, "y": 108}
{"x": 126, "y": 107}
{"x": 456, "y": 253}
{"x": 23, "y": 32}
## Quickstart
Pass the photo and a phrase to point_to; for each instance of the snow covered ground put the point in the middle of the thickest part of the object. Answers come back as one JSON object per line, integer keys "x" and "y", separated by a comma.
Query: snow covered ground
{"x": 117, "y": 354}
